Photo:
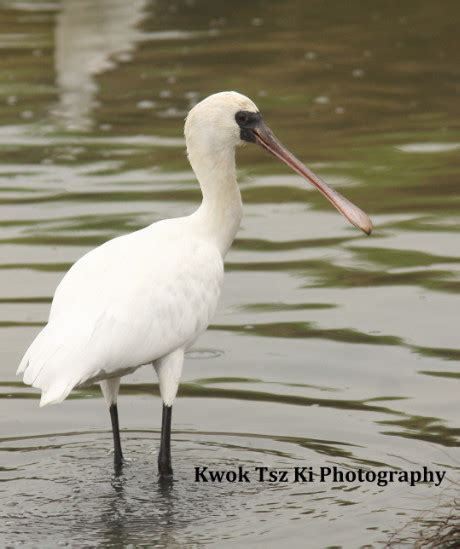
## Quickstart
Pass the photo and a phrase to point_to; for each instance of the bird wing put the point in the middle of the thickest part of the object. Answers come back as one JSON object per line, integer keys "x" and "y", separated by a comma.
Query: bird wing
{"x": 124, "y": 304}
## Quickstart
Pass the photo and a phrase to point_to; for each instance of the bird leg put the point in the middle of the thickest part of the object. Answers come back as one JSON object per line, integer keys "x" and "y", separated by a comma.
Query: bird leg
{"x": 118, "y": 455}
{"x": 164, "y": 457}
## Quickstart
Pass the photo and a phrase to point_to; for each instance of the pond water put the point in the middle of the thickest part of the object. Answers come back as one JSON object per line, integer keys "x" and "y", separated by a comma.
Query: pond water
{"x": 328, "y": 347}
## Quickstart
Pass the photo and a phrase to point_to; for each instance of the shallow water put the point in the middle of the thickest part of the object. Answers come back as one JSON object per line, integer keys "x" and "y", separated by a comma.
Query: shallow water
{"x": 328, "y": 348}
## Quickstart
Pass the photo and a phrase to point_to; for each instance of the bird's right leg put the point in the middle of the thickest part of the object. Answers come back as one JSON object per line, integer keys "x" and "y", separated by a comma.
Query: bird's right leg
{"x": 110, "y": 389}
{"x": 169, "y": 369}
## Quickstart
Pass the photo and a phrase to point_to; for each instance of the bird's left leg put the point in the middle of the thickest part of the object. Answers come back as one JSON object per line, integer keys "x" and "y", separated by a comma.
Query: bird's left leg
{"x": 169, "y": 369}
{"x": 110, "y": 389}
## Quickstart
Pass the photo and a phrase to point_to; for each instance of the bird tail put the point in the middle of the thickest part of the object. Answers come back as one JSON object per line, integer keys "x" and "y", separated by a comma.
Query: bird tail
{"x": 45, "y": 366}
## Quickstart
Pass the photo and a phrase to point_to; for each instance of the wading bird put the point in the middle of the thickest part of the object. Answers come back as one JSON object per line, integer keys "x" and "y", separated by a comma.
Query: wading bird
{"x": 145, "y": 297}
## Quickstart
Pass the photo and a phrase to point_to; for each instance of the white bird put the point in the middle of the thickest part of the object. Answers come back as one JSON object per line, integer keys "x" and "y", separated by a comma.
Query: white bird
{"x": 145, "y": 297}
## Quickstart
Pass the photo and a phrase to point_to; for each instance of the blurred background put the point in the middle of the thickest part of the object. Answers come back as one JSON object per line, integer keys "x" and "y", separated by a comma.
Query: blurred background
{"x": 328, "y": 348}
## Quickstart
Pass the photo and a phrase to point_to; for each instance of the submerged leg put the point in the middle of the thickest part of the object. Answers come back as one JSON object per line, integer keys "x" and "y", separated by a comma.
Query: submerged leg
{"x": 169, "y": 369}
{"x": 110, "y": 389}
{"x": 118, "y": 455}
{"x": 164, "y": 457}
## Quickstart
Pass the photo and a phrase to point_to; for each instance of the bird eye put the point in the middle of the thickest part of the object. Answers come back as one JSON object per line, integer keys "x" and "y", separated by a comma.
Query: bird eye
{"x": 242, "y": 117}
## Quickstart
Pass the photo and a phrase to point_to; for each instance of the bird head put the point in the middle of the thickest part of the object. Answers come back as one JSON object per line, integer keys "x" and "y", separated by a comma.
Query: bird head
{"x": 225, "y": 120}
{"x": 212, "y": 123}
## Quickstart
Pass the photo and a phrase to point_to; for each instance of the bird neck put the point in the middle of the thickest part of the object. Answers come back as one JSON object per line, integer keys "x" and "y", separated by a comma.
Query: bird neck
{"x": 221, "y": 210}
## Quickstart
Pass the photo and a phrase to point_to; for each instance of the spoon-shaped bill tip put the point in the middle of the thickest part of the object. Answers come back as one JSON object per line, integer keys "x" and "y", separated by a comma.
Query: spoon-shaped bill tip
{"x": 355, "y": 215}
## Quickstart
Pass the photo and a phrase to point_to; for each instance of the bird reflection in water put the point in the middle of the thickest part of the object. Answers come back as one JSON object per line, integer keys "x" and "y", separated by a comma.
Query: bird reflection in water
{"x": 90, "y": 40}
{"x": 127, "y": 517}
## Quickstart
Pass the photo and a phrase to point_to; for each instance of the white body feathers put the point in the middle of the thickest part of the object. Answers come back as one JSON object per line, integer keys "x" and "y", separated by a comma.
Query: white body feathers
{"x": 145, "y": 297}
{"x": 129, "y": 302}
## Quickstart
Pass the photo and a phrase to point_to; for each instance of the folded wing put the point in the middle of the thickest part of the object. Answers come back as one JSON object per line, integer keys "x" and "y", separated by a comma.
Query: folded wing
{"x": 123, "y": 305}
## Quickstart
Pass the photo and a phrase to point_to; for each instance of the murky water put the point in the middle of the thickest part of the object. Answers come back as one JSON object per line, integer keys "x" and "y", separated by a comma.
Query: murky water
{"x": 329, "y": 348}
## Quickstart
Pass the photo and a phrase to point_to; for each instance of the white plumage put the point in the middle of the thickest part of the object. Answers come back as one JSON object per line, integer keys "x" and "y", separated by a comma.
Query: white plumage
{"x": 140, "y": 297}
{"x": 129, "y": 302}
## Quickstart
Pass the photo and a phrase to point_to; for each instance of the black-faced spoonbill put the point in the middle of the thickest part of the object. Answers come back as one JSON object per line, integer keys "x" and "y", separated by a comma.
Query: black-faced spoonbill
{"x": 145, "y": 297}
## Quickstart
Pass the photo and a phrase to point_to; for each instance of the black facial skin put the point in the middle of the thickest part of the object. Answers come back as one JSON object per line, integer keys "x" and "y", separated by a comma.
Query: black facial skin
{"x": 247, "y": 121}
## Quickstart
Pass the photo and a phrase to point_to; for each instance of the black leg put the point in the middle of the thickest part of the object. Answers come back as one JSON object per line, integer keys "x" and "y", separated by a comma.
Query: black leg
{"x": 164, "y": 457}
{"x": 118, "y": 455}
